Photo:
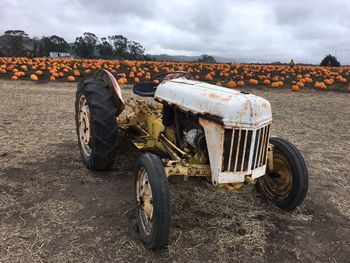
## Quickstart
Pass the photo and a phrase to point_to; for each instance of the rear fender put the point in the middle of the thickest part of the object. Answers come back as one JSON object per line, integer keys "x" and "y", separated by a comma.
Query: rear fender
{"x": 108, "y": 78}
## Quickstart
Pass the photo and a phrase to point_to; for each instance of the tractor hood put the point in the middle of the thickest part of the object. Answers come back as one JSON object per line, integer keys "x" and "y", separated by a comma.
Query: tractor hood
{"x": 230, "y": 107}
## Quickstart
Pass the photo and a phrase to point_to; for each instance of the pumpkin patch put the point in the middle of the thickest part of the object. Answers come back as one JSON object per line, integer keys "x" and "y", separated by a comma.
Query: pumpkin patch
{"x": 232, "y": 76}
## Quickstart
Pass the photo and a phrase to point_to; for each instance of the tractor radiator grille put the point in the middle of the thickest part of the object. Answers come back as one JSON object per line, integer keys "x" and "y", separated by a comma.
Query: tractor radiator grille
{"x": 245, "y": 149}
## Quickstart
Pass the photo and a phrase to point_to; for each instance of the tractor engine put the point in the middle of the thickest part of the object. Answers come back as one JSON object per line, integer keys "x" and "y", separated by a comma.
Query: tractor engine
{"x": 226, "y": 128}
{"x": 188, "y": 132}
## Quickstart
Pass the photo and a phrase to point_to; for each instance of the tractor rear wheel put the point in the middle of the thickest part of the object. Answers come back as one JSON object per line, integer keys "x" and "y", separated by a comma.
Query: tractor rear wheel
{"x": 152, "y": 201}
{"x": 97, "y": 129}
{"x": 286, "y": 185}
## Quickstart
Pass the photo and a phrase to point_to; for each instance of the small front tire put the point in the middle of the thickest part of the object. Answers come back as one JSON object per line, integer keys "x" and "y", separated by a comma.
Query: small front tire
{"x": 286, "y": 185}
{"x": 152, "y": 201}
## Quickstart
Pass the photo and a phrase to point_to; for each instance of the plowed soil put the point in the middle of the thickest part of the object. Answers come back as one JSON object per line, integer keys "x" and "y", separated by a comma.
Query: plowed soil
{"x": 52, "y": 209}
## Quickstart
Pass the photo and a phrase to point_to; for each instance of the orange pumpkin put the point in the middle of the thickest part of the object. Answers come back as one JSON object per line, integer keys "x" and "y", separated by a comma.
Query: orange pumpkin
{"x": 253, "y": 82}
{"x": 208, "y": 77}
{"x": 231, "y": 84}
{"x": 275, "y": 84}
{"x": 267, "y": 82}
{"x": 71, "y": 78}
{"x": 76, "y": 73}
{"x": 34, "y": 77}
{"x": 343, "y": 80}
{"x": 122, "y": 81}
{"x": 300, "y": 84}
{"x": 320, "y": 85}
{"x": 240, "y": 83}
{"x": 295, "y": 88}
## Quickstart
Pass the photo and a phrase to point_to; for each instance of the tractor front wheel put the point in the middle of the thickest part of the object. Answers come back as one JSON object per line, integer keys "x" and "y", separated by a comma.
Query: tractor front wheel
{"x": 286, "y": 184}
{"x": 152, "y": 201}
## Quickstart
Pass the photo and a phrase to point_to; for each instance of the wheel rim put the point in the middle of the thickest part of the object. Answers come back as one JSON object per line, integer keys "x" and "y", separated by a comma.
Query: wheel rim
{"x": 278, "y": 183}
{"x": 144, "y": 200}
{"x": 84, "y": 126}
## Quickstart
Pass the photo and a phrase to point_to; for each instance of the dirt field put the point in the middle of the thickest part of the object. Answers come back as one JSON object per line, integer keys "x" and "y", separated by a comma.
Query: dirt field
{"x": 52, "y": 209}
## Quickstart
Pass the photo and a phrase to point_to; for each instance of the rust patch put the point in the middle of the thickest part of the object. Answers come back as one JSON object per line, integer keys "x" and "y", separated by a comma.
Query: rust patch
{"x": 215, "y": 96}
{"x": 246, "y": 105}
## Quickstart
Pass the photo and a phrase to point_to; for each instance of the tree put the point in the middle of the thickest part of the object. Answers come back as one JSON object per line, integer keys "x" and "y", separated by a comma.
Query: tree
{"x": 136, "y": 50}
{"x": 206, "y": 59}
{"x": 13, "y": 42}
{"x": 52, "y": 44}
{"x": 85, "y": 45}
{"x": 36, "y": 43}
{"x": 105, "y": 48}
{"x": 330, "y": 61}
{"x": 120, "y": 44}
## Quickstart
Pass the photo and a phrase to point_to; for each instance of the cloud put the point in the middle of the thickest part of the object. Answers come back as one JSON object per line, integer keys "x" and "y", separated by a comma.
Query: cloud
{"x": 270, "y": 30}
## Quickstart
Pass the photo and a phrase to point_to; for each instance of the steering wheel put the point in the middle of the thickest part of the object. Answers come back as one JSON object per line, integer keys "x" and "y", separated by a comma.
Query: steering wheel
{"x": 177, "y": 74}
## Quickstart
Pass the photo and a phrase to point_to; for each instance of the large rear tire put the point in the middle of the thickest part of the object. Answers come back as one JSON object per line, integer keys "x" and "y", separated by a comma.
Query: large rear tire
{"x": 97, "y": 129}
{"x": 286, "y": 185}
{"x": 152, "y": 201}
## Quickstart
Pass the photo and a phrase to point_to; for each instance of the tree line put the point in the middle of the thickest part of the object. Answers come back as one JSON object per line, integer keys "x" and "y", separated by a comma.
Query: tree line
{"x": 16, "y": 43}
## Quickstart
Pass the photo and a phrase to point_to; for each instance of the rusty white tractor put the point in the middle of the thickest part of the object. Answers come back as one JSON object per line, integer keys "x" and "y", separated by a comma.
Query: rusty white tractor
{"x": 191, "y": 129}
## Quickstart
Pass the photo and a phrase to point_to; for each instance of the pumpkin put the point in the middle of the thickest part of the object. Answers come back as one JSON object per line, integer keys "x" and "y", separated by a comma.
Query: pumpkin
{"x": 308, "y": 79}
{"x": 328, "y": 81}
{"x": 76, "y": 73}
{"x": 295, "y": 88}
{"x": 320, "y": 85}
{"x": 34, "y": 77}
{"x": 240, "y": 83}
{"x": 122, "y": 81}
{"x": 267, "y": 82}
{"x": 253, "y": 82}
{"x": 52, "y": 78}
{"x": 14, "y": 78}
{"x": 343, "y": 80}
{"x": 275, "y": 84}
{"x": 71, "y": 78}
{"x": 208, "y": 77}
{"x": 231, "y": 84}
{"x": 300, "y": 84}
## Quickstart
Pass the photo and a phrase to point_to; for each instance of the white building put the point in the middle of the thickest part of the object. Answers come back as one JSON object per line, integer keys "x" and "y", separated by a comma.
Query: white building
{"x": 59, "y": 55}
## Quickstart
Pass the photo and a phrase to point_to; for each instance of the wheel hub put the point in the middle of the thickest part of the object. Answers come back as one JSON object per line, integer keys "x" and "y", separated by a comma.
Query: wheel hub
{"x": 144, "y": 199}
{"x": 279, "y": 181}
{"x": 84, "y": 126}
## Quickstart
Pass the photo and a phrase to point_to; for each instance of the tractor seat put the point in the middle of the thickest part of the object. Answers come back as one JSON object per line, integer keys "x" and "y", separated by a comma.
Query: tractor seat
{"x": 145, "y": 89}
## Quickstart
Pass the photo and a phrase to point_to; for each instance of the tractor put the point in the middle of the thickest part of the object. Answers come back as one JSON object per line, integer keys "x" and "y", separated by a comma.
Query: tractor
{"x": 189, "y": 129}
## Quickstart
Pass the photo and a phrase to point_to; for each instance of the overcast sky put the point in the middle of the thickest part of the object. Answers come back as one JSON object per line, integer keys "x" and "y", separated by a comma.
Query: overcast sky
{"x": 272, "y": 30}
